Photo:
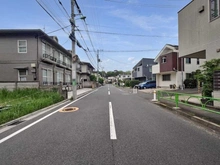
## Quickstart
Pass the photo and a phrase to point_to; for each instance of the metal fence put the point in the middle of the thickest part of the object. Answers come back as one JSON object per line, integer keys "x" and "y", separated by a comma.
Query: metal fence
{"x": 199, "y": 102}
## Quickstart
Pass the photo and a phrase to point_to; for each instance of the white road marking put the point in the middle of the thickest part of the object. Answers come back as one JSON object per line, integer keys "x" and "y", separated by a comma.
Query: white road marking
{"x": 112, "y": 123}
{"x": 108, "y": 92}
{"x": 30, "y": 125}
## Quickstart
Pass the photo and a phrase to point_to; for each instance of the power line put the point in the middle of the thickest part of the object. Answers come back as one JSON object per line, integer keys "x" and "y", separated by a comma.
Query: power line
{"x": 125, "y": 51}
{"x": 51, "y": 16}
{"x": 124, "y": 34}
{"x": 144, "y": 4}
{"x": 64, "y": 8}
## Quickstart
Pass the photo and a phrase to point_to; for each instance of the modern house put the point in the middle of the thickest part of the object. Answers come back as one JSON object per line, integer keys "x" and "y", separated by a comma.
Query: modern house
{"x": 30, "y": 55}
{"x": 199, "y": 31}
{"x": 170, "y": 70}
{"x": 142, "y": 71}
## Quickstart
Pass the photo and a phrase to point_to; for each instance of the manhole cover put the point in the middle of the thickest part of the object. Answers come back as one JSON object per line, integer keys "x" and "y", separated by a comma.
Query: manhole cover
{"x": 69, "y": 109}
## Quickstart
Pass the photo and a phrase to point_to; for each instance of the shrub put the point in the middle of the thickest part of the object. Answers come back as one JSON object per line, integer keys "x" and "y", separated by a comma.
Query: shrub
{"x": 190, "y": 83}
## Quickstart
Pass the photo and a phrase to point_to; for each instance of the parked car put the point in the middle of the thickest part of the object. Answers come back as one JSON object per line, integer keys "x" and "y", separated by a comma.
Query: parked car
{"x": 147, "y": 84}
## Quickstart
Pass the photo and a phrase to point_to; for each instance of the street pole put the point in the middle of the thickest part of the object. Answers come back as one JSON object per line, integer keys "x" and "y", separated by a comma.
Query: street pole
{"x": 97, "y": 65}
{"x": 74, "y": 59}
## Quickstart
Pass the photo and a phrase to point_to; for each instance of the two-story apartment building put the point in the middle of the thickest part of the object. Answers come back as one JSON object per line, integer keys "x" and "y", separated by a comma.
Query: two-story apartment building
{"x": 199, "y": 30}
{"x": 172, "y": 70}
{"x": 85, "y": 72}
{"x": 31, "y": 55}
{"x": 142, "y": 71}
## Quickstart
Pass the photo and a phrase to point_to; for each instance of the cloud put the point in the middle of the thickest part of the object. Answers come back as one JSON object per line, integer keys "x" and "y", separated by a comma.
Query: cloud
{"x": 130, "y": 58}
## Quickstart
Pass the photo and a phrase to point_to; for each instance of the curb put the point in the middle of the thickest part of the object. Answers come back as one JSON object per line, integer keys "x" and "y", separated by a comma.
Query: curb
{"x": 204, "y": 122}
{"x": 35, "y": 113}
{"x": 40, "y": 111}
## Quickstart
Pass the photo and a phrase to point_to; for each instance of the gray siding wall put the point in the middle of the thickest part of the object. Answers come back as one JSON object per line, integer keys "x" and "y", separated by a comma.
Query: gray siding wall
{"x": 10, "y": 59}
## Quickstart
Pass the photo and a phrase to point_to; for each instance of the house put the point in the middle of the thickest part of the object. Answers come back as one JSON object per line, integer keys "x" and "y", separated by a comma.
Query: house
{"x": 123, "y": 77}
{"x": 199, "y": 31}
{"x": 170, "y": 70}
{"x": 85, "y": 71}
{"x": 30, "y": 55}
{"x": 142, "y": 71}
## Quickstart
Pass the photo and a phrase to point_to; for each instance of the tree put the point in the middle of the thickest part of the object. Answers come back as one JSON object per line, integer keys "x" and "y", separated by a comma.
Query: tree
{"x": 93, "y": 78}
{"x": 206, "y": 76}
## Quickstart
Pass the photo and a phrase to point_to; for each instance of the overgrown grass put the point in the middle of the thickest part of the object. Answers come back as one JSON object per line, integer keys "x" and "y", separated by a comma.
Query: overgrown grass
{"x": 24, "y": 101}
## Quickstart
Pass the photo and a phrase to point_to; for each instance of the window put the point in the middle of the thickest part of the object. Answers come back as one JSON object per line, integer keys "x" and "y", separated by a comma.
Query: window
{"x": 47, "y": 76}
{"x": 138, "y": 69}
{"x": 197, "y": 61}
{"x": 166, "y": 77}
{"x": 59, "y": 77}
{"x": 22, "y": 46}
{"x": 188, "y": 60}
{"x": 164, "y": 59}
{"x": 67, "y": 77}
{"x": 22, "y": 75}
{"x": 150, "y": 68}
{"x": 214, "y": 9}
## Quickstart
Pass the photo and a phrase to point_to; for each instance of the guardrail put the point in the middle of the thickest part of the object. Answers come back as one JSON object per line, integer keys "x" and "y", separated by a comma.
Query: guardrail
{"x": 199, "y": 102}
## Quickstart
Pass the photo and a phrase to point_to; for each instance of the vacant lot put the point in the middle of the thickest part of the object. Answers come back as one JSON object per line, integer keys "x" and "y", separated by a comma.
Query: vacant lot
{"x": 17, "y": 103}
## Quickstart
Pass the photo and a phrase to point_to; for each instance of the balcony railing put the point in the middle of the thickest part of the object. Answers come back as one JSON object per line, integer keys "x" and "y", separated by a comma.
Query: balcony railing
{"x": 51, "y": 58}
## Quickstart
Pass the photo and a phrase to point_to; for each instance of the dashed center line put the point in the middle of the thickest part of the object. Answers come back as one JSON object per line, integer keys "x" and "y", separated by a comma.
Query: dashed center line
{"x": 108, "y": 92}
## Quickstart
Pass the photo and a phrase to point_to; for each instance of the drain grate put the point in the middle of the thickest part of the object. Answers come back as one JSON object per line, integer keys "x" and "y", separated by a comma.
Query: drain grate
{"x": 69, "y": 109}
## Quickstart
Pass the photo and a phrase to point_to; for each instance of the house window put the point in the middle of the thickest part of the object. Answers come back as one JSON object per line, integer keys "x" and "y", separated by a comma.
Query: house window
{"x": 22, "y": 75}
{"x": 150, "y": 68}
{"x": 188, "y": 60}
{"x": 22, "y": 46}
{"x": 67, "y": 77}
{"x": 59, "y": 77}
{"x": 189, "y": 75}
{"x": 164, "y": 59}
{"x": 138, "y": 69}
{"x": 47, "y": 76}
{"x": 166, "y": 77}
{"x": 197, "y": 61}
{"x": 214, "y": 9}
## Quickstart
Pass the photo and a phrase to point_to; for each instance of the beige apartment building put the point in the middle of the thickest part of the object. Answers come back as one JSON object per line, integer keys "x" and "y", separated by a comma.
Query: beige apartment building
{"x": 199, "y": 31}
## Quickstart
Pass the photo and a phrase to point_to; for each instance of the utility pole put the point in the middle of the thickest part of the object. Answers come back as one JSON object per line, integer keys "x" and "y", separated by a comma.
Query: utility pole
{"x": 74, "y": 56}
{"x": 98, "y": 65}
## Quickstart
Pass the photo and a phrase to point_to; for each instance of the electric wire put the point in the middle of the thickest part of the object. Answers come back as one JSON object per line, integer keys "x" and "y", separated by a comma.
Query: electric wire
{"x": 126, "y": 34}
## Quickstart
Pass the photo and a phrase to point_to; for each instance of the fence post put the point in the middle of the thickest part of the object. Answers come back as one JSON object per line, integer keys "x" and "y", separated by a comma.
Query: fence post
{"x": 155, "y": 97}
{"x": 176, "y": 101}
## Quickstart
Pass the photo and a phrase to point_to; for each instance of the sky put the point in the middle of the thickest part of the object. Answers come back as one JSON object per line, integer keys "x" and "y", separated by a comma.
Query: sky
{"x": 122, "y": 32}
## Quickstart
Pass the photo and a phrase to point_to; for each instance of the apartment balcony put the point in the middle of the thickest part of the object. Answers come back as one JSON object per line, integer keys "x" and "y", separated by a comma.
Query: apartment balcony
{"x": 49, "y": 58}
{"x": 156, "y": 69}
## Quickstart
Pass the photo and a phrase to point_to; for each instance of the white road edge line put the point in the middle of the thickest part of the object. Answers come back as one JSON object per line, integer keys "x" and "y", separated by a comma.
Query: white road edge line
{"x": 112, "y": 123}
{"x": 30, "y": 125}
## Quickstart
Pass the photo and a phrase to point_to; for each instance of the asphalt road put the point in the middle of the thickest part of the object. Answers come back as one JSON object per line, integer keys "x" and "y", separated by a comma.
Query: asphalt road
{"x": 111, "y": 127}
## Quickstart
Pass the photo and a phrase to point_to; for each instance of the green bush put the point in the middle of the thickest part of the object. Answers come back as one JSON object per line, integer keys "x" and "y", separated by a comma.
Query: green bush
{"x": 190, "y": 83}
{"x": 131, "y": 83}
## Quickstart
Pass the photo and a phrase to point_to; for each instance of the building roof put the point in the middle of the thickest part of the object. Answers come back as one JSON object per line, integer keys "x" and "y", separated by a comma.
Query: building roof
{"x": 38, "y": 33}
{"x": 174, "y": 48}
{"x": 140, "y": 62}
{"x": 87, "y": 63}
